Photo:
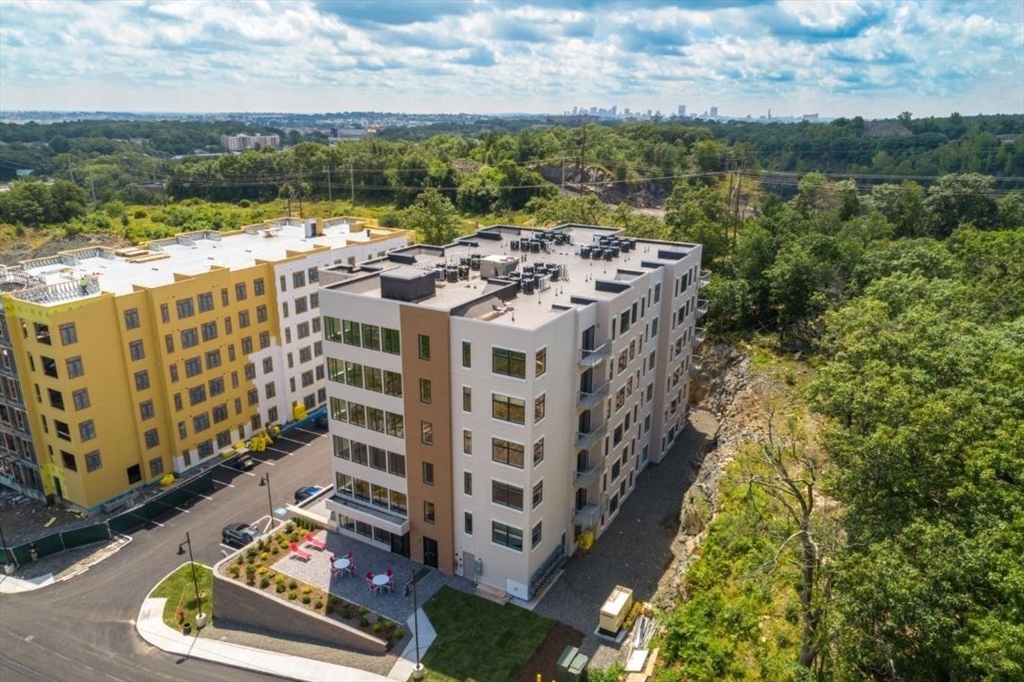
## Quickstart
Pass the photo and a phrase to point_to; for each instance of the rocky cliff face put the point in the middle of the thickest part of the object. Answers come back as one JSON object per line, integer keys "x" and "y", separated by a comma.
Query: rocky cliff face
{"x": 597, "y": 181}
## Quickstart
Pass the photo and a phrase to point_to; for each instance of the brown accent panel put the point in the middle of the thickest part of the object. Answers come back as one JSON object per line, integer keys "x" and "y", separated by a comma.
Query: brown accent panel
{"x": 434, "y": 324}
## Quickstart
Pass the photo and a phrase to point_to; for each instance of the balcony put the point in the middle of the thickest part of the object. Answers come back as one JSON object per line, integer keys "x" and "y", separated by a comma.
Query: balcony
{"x": 587, "y": 440}
{"x": 705, "y": 277}
{"x": 699, "y": 334}
{"x": 587, "y": 401}
{"x": 702, "y": 307}
{"x": 587, "y": 476}
{"x": 593, "y": 357}
{"x": 696, "y": 364}
{"x": 587, "y": 516}
{"x": 366, "y": 512}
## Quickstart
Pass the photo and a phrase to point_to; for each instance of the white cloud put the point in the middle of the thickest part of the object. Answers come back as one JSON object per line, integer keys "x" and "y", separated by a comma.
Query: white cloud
{"x": 491, "y": 56}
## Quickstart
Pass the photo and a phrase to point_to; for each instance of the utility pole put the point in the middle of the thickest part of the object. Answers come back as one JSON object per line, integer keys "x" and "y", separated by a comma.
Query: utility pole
{"x": 583, "y": 152}
{"x": 330, "y": 197}
{"x": 352, "y": 182}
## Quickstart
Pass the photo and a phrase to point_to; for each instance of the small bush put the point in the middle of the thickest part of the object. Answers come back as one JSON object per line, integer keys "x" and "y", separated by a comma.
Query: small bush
{"x": 251, "y": 552}
{"x": 240, "y": 560}
{"x": 364, "y": 621}
{"x": 244, "y": 203}
{"x": 293, "y": 595}
{"x": 235, "y": 570}
{"x": 275, "y": 550}
{"x": 281, "y": 587}
{"x": 293, "y": 584}
{"x": 318, "y": 604}
{"x": 288, "y": 528}
{"x": 363, "y": 610}
{"x": 264, "y": 581}
{"x": 280, "y": 580}
{"x": 264, "y": 556}
{"x": 307, "y": 589}
{"x": 329, "y": 609}
{"x": 262, "y": 570}
{"x": 306, "y": 599}
{"x": 378, "y": 627}
{"x": 260, "y": 545}
{"x": 399, "y": 633}
{"x": 250, "y": 559}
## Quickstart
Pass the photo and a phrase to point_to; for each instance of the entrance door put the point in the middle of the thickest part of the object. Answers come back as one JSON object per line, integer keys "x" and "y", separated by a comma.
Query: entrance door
{"x": 429, "y": 552}
{"x": 468, "y": 565}
{"x": 60, "y": 491}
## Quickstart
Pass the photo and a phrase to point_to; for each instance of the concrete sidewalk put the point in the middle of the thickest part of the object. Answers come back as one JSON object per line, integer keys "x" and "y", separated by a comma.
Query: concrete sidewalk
{"x": 151, "y": 627}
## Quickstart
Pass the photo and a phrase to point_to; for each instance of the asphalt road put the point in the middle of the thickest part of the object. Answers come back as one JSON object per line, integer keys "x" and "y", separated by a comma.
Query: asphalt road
{"x": 83, "y": 629}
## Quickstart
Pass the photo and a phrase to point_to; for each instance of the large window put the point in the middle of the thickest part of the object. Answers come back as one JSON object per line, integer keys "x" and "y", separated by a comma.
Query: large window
{"x": 205, "y": 302}
{"x": 538, "y": 407}
{"x": 131, "y": 318}
{"x": 209, "y": 331}
{"x": 507, "y": 452}
{"x": 426, "y": 433}
{"x": 424, "y": 346}
{"x": 393, "y": 383}
{"x": 350, "y": 332}
{"x": 371, "y": 337}
{"x": 508, "y": 409}
{"x": 506, "y": 495}
{"x": 467, "y": 354}
{"x": 189, "y": 338}
{"x": 185, "y": 308}
{"x": 538, "y": 493}
{"x": 507, "y": 536}
{"x": 540, "y": 365}
{"x": 68, "y": 335}
{"x": 426, "y": 391}
{"x": 332, "y": 329}
{"x": 391, "y": 341}
{"x": 535, "y": 536}
{"x": 336, "y": 370}
{"x": 508, "y": 362}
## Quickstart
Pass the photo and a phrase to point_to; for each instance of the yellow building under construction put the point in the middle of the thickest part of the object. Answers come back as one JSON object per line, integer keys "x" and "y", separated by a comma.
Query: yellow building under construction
{"x": 119, "y": 366}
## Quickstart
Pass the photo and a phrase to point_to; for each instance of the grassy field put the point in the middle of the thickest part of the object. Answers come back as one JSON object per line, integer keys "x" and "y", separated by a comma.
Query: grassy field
{"x": 479, "y": 641}
{"x": 180, "y": 591}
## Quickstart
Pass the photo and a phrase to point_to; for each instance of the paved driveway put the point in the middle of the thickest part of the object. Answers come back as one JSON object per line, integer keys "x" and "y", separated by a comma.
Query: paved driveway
{"x": 635, "y": 551}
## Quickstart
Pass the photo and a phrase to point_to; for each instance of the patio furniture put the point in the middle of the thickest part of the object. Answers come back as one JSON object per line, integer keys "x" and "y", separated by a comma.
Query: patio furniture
{"x": 341, "y": 566}
{"x": 381, "y": 581}
{"x": 370, "y": 582}
{"x": 301, "y": 554}
{"x": 319, "y": 544}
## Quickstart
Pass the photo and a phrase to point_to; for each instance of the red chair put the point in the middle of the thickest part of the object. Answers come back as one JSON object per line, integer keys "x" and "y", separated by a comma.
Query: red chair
{"x": 351, "y": 568}
{"x": 369, "y": 582}
{"x": 390, "y": 572}
{"x": 296, "y": 552}
{"x": 349, "y": 556}
{"x": 312, "y": 541}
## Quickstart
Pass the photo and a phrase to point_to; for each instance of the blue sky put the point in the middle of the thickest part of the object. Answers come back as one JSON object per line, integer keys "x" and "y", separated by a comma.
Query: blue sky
{"x": 873, "y": 59}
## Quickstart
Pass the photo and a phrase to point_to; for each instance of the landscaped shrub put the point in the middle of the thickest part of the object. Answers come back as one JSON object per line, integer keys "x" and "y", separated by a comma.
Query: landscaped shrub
{"x": 307, "y": 589}
{"x": 264, "y": 581}
{"x": 293, "y": 584}
{"x": 306, "y": 599}
{"x": 288, "y": 528}
{"x": 264, "y": 556}
{"x": 274, "y": 549}
{"x": 235, "y": 570}
{"x": 293, "y": 595}
{"x": 364, "y": 621}
{"x": 363, "y": 610}
{"x": 281, "y": 587}
{"x": 399, "y": 633}
{"x": 262, "y": 570}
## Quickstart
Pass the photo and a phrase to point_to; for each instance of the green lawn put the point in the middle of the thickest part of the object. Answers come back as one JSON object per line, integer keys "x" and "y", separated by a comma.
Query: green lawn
{"x": 180, "y": 590}
{"x": 479, "y": 641}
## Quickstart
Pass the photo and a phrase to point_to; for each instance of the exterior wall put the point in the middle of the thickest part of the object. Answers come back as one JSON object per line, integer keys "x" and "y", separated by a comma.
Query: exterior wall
{"x": 432, "y": 324}
{"x": 496, "y": 564}
{"x": 384, "y": 314}
{"x": 96, "y": 465}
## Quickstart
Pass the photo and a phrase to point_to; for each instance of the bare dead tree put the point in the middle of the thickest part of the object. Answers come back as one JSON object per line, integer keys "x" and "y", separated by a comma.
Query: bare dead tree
{"x": 790, "y": 474}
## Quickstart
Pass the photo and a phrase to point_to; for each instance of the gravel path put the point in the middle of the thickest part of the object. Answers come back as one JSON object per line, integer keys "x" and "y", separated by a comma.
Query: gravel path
{"x": 636, "y": 550}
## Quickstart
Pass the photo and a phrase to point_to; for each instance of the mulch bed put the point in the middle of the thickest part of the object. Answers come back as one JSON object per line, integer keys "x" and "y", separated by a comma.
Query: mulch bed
{"x": 546, "y": 655}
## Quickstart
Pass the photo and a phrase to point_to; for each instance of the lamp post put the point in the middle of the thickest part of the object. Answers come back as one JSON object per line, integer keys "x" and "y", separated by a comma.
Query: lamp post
{"x": 8, "y": 567}
{"x": 417, "y": 672}
{"x": 265, "y": 482}
{"x": 201, "y": 617}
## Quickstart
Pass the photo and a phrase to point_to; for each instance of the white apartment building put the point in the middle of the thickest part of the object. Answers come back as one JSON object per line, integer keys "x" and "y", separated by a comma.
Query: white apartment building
{"x": 493, "y": 401}
{"x": 242, "y": 142}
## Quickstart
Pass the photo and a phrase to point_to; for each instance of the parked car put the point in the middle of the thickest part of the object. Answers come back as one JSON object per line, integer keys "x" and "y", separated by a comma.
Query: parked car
{"x": 238, "y": 534}
{"x": 306, "y": 493}
{"x": 244, "y": 462}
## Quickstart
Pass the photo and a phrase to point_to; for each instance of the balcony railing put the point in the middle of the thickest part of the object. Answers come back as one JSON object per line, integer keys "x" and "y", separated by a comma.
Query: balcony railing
{"x": 593, "y": 357}
{"x": 587, "y": 476}
{"x": 587, "y": 516}
{"x": 696, "y": 364}
{"x": 705, "y": 277}
{"x": 587, "y": 440}
{"x": 702, "y": 307}
{"x": 587, "y": 401}
{"x": 699, "y": 334}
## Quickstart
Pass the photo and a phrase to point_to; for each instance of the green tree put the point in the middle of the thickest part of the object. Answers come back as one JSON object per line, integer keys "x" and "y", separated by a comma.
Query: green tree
{"x": 433, "y": 217}
{"x": 564, "y": 208}
{"x": 960, "y": 198}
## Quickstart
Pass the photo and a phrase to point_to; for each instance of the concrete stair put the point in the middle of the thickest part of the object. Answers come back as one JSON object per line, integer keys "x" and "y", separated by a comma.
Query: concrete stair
{"x": 493, "y": 594}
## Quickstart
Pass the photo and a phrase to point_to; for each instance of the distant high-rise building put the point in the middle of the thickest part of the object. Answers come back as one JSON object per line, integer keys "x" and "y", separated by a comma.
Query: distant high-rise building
{"x": 714, "y": 112}
{"x": 682, "y": 110}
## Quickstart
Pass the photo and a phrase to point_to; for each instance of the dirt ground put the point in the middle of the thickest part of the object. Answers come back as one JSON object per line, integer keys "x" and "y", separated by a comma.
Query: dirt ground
{"x": 546, "y": 656}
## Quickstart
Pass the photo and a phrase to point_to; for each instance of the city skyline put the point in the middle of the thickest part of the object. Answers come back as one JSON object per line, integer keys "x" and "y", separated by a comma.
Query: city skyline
{"x": 834, "y": 59}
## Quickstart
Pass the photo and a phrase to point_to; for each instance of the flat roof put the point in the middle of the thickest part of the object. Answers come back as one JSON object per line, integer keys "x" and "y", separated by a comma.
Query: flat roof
{"x": 91, "y": 271}
{"x": 565, "y": 277}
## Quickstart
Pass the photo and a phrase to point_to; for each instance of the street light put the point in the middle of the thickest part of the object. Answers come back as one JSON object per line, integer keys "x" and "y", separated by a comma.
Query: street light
{"x": 201, "y": 617}
{"x": 265, "y": 482}
{"x": 417, "y": 672}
